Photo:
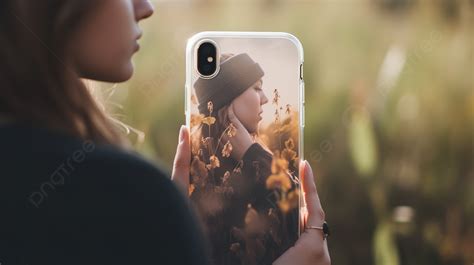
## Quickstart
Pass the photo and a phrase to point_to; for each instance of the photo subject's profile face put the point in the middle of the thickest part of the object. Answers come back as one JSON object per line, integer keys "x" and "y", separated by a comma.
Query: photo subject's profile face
{"x": 248, "y": 106}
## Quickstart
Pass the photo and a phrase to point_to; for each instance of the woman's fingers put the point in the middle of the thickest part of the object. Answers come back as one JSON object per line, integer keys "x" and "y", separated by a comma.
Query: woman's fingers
{"x": 242, "y": 140}
{"x": 315, "y": 212}
{"x": 233, "y": 118}
{"x": 182, "y": 160}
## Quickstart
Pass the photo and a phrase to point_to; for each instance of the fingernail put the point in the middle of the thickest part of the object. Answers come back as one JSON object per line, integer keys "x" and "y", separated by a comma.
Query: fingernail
{"x": 181, "y": 134}
{"x": 303, "y": 167}
{"x": 307, "y": 166}
{"x": 308, "y": 170}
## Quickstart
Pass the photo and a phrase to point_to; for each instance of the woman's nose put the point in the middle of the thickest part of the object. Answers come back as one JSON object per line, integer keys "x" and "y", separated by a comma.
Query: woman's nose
{"x": 143, "y": 9}
{"x": 263, "y": 99}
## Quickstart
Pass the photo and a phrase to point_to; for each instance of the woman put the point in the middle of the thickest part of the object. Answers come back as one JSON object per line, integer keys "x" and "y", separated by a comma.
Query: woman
{"x": 70, "y": 190}
{"x": 232, "y": 172}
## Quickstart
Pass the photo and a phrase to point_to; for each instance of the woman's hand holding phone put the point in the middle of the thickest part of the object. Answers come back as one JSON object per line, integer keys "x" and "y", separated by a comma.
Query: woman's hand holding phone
{"x": 182, "y": 161}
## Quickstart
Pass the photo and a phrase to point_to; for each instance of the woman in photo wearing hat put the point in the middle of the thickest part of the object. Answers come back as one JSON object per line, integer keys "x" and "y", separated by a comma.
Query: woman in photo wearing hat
{"x": 71, "y": 189}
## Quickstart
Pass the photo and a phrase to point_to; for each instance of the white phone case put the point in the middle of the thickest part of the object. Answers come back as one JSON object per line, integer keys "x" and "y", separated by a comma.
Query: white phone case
{"x": 249, "y": 203}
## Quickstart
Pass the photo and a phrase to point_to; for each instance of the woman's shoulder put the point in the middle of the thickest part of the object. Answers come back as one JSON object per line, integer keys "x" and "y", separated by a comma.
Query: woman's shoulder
{"x": 44, "y": 155}
{"x": 97, "y": 195}
{"x": 51, "y": 169}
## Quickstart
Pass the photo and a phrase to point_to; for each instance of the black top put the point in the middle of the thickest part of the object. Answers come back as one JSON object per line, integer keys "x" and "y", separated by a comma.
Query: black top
{"x": 67, "y": 201}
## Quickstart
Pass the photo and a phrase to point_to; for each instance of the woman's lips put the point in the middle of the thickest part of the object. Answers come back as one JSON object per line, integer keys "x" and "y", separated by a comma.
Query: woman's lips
{"x": 137, "y": 45}
{"x": 139, "y": 35}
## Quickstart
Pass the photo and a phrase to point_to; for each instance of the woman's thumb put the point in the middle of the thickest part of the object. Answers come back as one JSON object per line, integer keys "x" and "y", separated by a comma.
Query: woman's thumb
{"x": 182, "y": 160}
{"x": 316, "y": 214}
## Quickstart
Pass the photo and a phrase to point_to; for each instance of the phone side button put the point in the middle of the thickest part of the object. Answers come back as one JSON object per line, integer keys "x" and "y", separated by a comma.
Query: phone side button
{"x": 303, "y": 88}
{"x": 301, "y": 71}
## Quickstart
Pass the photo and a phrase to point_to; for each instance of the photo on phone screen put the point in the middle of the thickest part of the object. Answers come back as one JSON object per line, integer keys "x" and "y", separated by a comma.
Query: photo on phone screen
{"x": 244, "y": 103}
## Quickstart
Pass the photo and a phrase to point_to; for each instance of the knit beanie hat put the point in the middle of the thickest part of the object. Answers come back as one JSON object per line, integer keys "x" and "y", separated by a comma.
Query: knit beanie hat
{"x": 236, "y": 74}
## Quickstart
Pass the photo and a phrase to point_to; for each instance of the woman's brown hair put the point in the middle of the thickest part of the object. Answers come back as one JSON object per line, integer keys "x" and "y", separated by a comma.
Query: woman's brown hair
{"x": 37, "y": 86}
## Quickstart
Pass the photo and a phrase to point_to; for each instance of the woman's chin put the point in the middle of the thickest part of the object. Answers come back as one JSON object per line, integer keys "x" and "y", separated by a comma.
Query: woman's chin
{"x": 122, "y": 75}
{"x": 252, "y": 129}
{"x": 111, "y": 76}
{"x": 126, "y": 73}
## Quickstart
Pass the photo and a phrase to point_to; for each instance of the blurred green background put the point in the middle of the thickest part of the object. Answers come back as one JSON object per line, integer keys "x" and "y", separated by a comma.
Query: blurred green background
{"x": 389, "y": 113}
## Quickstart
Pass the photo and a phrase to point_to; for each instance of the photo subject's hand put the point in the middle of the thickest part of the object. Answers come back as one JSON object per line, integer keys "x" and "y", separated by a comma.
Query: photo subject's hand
{"x": 242, "y": 139}
{"x": 182, "y": 161}
{"x": 311, "y": 247}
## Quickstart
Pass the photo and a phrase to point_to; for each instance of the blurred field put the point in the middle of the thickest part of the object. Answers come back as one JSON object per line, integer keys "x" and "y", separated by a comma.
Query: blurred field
{"x": 389, "y": 114}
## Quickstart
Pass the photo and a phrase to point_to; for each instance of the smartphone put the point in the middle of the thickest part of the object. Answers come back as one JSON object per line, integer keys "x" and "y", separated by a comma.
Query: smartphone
{"x": 245, "y": 111}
